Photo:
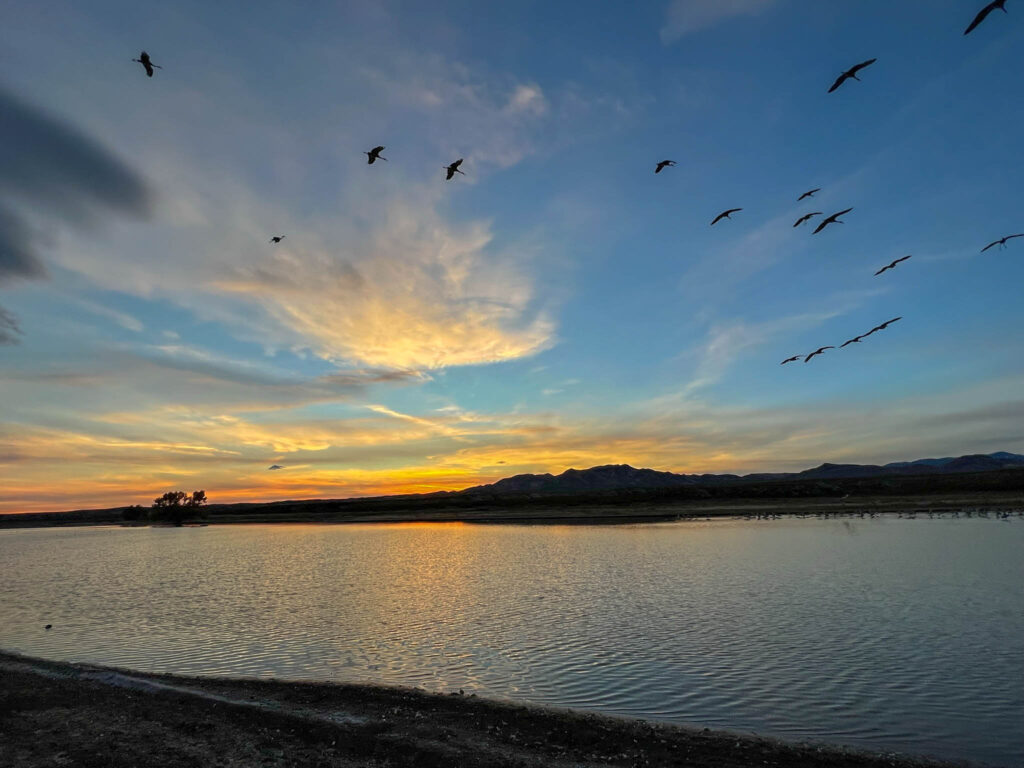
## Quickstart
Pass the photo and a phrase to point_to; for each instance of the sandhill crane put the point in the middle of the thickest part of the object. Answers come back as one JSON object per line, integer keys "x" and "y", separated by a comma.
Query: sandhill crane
{"x": 851, "y": 72}
{"x": 374, "y": 154}
{"x": 663, "y": 165}
{"x": 806, "y": 217}
{"x": 792, "y": 359}
{"x": 816, "y": 352}
{"x": 891, "y": 266}
{"x": 277, "y": 238}
{"x": 984, "y": 12}
{"x": 453, "y": 169}
{"x": 145, "y": 62}
{"x": 809, "y": 193}
{"x": 833, "y": 219}
{"x": 883, "y": 326}
{"x": 1001, "y": 242}
{"x": 725, "y": 215}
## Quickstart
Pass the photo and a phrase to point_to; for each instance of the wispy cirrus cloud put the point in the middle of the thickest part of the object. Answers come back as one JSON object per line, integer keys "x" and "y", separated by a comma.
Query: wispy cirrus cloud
{"x": 416, "y": 294}
{"x": 686, "y": 16}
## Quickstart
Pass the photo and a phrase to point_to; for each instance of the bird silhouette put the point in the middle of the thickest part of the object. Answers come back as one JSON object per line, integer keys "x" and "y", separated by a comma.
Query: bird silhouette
{"x": 806, "y": 217}
{"x": 883, "y": 326}
{"x": 833, "y": 219}
{"x": 145, "y": 62}
{"x": 891, "y": 266}
{"x": 854, "y": 340}
{"x": 1001, "y": 242}
{"x": 374, "y": 154}
{"x": 277, "y": 238}
{"x": 453, "y": 169}
{"x": 275, "y": 466}
{"x": 664, "y": 164}
{"x": 816, "y": 352}
{"x": 984, "y": 12}
{"x": 809, "y": 193}
{"x": 725, "y": 215}
{"x": 48, "y": 626}
{"x": 792, "y": 359}
{"x": 851, "y": 72}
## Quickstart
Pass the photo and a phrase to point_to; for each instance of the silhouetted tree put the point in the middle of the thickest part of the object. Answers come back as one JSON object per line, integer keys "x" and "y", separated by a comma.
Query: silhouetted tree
{"x": 177, "y": 506}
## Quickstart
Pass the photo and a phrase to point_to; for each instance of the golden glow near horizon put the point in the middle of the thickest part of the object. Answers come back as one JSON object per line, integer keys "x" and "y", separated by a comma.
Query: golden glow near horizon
{"x": 554, "y": 307}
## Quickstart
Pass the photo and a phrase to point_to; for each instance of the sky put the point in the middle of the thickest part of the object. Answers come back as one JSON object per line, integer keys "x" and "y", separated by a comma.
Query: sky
{"x": 558, "y": 306}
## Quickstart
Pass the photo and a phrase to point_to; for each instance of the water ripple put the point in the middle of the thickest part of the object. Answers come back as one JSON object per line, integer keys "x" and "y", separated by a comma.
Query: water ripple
{"x": 906, "y": 636}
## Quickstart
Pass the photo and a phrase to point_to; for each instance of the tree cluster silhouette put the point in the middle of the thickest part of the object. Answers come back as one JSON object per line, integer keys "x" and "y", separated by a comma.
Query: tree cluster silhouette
{"x": 177, "y": 506}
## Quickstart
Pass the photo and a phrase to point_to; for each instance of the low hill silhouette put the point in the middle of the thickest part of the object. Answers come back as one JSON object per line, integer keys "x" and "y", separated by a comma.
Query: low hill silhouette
{"x": 612, "y": 477}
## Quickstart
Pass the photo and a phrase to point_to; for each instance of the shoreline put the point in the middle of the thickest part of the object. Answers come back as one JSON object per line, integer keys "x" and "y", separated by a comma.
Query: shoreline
{"x": 61, "y": 713}
{"x": 567, "y": 511}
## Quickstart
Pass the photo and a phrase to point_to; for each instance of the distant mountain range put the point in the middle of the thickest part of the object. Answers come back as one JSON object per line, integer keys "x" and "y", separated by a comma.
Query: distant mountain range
{"x": 622, "y": 476}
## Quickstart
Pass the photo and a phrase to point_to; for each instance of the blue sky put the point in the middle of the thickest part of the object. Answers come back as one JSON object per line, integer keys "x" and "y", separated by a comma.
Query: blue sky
{"x": 558, "y": 306}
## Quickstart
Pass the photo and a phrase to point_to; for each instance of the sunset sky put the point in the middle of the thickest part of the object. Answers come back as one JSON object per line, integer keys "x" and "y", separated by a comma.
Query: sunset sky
{"x": 560, "y": 305}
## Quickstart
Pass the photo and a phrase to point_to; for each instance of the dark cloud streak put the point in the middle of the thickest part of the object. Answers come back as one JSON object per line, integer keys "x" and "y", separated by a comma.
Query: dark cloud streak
{"x": 62, "y": 176}
{"x": 9, "y": 330}
{"x": 49, "y": 163}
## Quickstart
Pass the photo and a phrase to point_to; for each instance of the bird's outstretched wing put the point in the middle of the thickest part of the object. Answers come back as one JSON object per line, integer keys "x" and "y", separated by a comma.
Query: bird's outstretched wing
{"x": 859, "y": 67}
{"x": 991, "y": 245}
{"x": 982, "y": 15}
{"x": 839, "y": 81}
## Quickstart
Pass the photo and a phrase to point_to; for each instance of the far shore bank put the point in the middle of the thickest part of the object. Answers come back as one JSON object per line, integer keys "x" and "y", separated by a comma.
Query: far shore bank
{"x": 53, "y": 713}
{"x": 562, "y": 511}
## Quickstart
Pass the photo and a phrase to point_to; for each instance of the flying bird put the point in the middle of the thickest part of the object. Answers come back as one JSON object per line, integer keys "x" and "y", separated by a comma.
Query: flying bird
{"x": 833, "y": 219}
{"x": 854, "y": 340}
{"x": 883, "y": 326}
{"x": 808, "y": 194}
{"x": 374, "y": 154}
{"x": 984, "y": 12}
{"x": 143, "y": 58}
{"x": 48, "y": 626}
{"x": 890, "y": 266}
{"x": 851, "y": 72}
{"x": 806, "y": 217}
{"x": 275, "y": 466}
{"x": 725, "y": 215}
{"x": 453, "y": 169}
{"x": 816, "y": 352}
{"x": 664, "y": 164}
{"x": 792, "y": 359}
{"x": 1001, "y": 242}
{"x": 277, "y": 238}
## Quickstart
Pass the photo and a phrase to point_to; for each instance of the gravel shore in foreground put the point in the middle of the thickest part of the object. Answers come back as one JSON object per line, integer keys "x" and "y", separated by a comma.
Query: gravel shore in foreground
{"x": 56, "y": 714}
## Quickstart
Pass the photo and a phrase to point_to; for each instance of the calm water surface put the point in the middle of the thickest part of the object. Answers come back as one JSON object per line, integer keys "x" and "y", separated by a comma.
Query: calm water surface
{"x": 898, "y": 634}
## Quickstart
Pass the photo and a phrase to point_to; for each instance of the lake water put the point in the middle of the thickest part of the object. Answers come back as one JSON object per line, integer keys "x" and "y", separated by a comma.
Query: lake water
{"x": 896, "y": 634}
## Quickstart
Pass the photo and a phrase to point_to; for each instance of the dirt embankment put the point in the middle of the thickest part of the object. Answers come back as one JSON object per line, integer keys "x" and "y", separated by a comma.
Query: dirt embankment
{"x": 54, "y": 714}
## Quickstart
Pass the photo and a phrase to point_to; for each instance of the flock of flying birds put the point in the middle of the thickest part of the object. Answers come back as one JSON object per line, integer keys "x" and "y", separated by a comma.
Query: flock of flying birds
{"x": 851, "y": 74}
